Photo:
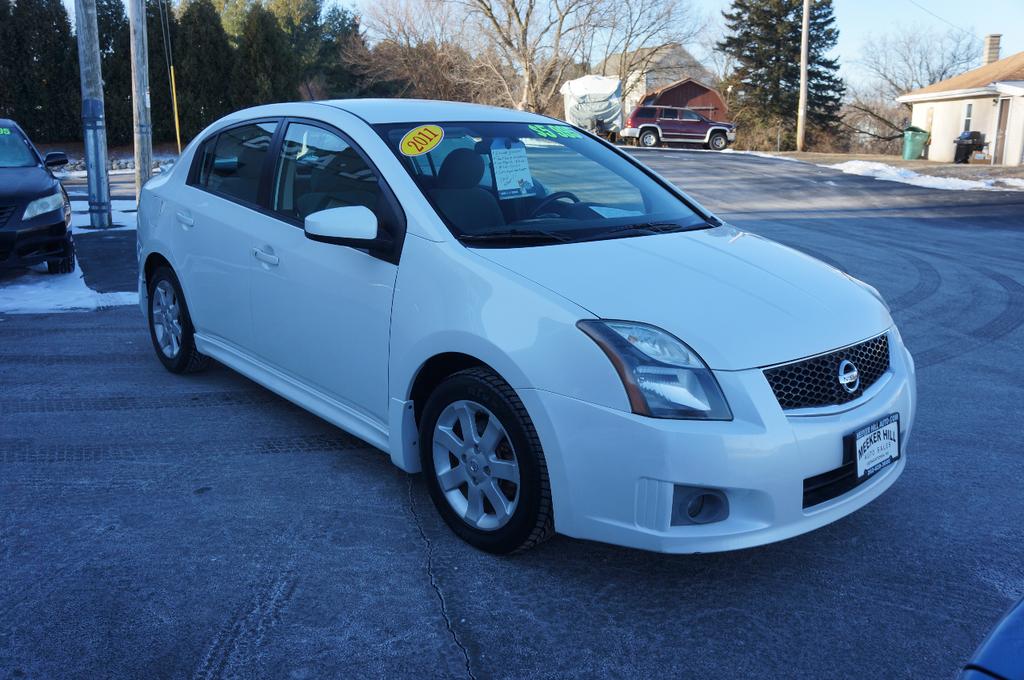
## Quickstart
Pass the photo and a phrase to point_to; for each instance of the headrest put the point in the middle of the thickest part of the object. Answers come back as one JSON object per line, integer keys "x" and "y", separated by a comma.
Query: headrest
{"x": 461, "y": 169}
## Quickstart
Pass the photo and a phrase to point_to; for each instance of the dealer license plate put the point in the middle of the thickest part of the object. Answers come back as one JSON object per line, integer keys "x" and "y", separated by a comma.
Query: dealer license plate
{"x": 876, "y": 446}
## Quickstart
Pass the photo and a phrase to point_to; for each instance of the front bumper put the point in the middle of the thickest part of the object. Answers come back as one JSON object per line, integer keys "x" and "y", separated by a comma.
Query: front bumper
{"x": 629, "y": 132}
{"x": 26, "y": 246}
{"x": 730, "y": 135}
{"x": 613, "y": 473}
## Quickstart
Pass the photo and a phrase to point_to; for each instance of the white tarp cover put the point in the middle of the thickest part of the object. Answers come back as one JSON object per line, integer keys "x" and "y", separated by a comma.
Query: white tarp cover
{"x": 594, "y": 103}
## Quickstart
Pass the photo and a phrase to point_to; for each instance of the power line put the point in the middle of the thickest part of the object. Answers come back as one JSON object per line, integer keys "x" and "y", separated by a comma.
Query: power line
{"x": 944, "y": 20}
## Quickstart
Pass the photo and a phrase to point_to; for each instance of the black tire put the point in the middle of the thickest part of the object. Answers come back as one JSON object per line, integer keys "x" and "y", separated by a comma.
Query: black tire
{"x": 63, "y": 265}
{"x": 718, "y": 141}
{"x": 532, "y": 521}
{"x": 188, "y": 359}
{"x": 649, "y": 138}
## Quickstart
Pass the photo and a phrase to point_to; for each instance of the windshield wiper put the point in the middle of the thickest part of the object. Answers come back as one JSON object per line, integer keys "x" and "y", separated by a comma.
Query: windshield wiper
{"x": 515, "y": 236}
{"x": 643, "y": 229}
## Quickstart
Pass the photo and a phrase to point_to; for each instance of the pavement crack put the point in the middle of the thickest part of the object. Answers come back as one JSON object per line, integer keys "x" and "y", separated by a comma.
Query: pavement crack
{"x": 433, "y": 582}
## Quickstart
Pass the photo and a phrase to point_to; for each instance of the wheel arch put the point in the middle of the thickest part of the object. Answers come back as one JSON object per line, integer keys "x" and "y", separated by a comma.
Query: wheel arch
{"x": 154, "y": 260}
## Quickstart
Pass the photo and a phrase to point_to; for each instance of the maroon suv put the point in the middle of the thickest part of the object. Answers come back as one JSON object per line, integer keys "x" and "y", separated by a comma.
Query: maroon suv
{"x": 655, "y": 125}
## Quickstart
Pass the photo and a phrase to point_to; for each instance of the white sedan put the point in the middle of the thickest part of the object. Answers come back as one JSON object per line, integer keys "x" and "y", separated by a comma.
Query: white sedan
{"x": 557, "y": 337}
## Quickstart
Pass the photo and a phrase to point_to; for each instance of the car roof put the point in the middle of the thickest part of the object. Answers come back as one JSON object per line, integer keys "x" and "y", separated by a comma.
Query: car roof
{"x": 375, "y": 111}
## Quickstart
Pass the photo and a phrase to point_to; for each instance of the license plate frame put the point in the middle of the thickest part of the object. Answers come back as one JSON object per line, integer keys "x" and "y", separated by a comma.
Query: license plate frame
{"x": 874, "y": 447}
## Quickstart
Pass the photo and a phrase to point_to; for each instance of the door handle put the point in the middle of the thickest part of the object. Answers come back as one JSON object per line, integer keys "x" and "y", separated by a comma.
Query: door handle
{"x": 185, "y": 219}
{"x": 263, "y": 256}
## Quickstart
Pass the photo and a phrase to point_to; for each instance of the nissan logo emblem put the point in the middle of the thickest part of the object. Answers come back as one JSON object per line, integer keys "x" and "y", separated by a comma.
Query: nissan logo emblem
{"x": 849, "y": 376}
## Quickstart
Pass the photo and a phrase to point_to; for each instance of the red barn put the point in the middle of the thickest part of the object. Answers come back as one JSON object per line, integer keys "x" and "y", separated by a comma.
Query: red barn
{"x": 690, "y": 94}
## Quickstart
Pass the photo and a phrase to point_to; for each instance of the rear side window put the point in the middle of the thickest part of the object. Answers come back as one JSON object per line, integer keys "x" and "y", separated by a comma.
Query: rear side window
{"x": 232, "y": 163}
{"x": 645, "y": 112}
{"x": 670, "y": 114}
{"x": 319, "y": 170}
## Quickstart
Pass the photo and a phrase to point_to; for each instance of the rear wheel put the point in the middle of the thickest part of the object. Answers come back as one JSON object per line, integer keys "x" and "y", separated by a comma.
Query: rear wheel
{"x": 717, "y": 142}
{"x": 170, "y": 326}
{"x": 483, "y": 463}
{"x": 649, "y": 138}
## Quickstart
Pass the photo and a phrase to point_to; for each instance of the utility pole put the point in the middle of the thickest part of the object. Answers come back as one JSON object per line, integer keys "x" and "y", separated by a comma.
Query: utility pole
{"x": 140, "y": 94}
{"x": 92, "y": 113}
{"x": 801, "y": 117}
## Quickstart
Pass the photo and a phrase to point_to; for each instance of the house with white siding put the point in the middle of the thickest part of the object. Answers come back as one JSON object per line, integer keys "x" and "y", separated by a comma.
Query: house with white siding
{"x": 988, "y": 99}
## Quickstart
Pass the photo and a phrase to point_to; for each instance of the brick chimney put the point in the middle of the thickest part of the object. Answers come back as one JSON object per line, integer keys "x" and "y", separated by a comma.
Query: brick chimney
{"x": 991, "y": 52}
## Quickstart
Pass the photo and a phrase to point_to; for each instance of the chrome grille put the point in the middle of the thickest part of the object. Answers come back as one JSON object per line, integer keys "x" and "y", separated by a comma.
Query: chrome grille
{"x": 815, "y": 382}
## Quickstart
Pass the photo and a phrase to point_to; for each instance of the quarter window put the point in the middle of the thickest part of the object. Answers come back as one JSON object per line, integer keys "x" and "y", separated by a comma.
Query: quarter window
{"x": 232, "y": 164}
{"x": 319, "y": 170}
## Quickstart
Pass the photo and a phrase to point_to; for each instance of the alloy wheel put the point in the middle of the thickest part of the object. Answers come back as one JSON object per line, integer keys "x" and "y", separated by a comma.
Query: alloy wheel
{"x": 476, "y": 465}
{"x": 166, "y": 314}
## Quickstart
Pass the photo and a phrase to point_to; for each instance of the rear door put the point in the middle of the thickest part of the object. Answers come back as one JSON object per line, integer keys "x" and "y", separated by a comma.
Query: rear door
{"x": 322, "y": 312}
{"x": 211, "y": 225}
{"x": 668, "y": 120}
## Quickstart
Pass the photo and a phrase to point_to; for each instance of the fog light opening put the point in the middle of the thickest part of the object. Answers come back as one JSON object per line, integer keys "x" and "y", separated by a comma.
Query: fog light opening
{"x": 698, "y": 506}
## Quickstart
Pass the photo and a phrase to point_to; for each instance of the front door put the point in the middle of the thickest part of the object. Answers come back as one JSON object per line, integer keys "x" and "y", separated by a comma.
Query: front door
{"x": 322, "y": 312}
{"x": 1000, "y": 148}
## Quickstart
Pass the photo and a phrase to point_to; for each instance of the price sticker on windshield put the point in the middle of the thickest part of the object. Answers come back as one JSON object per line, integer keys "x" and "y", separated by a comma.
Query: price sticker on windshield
{"x": 555, "y": 131}
{"x": 5, "y": 131}
{"x": 421, "y": 140}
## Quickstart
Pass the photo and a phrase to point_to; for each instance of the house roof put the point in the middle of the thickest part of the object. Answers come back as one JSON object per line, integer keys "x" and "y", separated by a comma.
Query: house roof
{"x": 1008, "y": 69}
{"x": 663, "y": 88}
{"x": 667, "y": 58}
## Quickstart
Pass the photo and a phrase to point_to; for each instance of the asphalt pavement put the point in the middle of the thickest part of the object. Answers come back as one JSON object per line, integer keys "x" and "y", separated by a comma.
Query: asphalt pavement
{"x": 153, "y": 525}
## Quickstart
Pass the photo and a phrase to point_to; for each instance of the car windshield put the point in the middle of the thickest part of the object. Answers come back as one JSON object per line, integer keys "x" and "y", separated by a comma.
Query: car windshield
{"x": 14, "y": 151}
{"x": 506, "y": 184}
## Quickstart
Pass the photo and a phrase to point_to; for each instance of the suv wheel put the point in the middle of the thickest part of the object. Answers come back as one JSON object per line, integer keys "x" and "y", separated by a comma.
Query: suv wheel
{"x": 718, "y": 142}
{"x": 170, "y": 326}
{"x": 649, "y": 138}
{"x": 483, "y": 463}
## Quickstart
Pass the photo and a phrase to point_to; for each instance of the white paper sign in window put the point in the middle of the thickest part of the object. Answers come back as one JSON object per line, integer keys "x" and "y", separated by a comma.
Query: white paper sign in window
{"x": 512, "y": 178}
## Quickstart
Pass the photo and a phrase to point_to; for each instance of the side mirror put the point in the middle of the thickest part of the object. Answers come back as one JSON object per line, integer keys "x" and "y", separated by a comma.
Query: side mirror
{"x": 353, "y": 225}
{"x": 55, "y": 159}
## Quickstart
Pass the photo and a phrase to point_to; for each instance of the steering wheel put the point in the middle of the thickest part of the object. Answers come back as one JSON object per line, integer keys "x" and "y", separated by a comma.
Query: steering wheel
{"x": 547, "y": 201}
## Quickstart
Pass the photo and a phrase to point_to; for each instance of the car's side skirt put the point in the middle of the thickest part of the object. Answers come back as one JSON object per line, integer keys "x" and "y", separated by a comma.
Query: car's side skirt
{"x": 297, "y": 392}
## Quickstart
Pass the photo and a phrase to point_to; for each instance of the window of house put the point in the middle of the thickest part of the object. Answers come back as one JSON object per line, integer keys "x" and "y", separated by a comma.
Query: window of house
{"x": 968, "y": 111}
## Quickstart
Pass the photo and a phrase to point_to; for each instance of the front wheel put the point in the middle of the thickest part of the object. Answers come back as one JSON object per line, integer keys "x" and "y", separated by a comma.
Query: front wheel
{"x": 649, "y": 138}
{"x": 483, "y": 463}
{"x": 170, "y": 326}
{"x": 717, "y": 142}
{"x": 63, "y": 265}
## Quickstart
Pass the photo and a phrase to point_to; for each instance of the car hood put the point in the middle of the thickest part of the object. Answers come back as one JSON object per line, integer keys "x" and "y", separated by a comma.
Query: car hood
{"x": 20, "y": 185}
{"x": 739, "y": 300}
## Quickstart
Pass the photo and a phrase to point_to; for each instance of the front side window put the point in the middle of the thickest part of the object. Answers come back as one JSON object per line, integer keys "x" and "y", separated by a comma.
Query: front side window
{"x": 232, "y": 164}
{"x": 318, "y": 170}
{"x": 14, "y": 149}
{"x": 690, "y": 115}
{"x": 522, "y": 180}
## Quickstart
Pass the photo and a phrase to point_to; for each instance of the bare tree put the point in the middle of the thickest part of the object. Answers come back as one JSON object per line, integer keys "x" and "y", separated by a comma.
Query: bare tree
{"x": 528, "y": 46}
{"x": 910, "y": 58}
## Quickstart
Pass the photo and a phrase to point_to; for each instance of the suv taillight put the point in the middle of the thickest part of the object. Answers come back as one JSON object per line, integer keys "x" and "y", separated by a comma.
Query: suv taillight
{"x": 630, "y": 122}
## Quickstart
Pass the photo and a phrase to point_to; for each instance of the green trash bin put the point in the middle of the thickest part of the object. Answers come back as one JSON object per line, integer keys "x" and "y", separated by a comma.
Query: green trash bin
{"x": 914, "y": 139}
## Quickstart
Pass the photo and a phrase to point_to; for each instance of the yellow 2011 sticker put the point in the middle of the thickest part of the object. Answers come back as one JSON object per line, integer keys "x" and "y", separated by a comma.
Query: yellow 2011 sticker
{"x": 421, "y": 140}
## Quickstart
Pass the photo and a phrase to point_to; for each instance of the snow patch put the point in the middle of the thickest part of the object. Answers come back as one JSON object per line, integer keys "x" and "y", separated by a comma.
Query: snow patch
{"x": 122, "y": 216}
{"x": 907, "y": 176}
{"x": 762, "y": 154}
{"x": 36, "y": 292}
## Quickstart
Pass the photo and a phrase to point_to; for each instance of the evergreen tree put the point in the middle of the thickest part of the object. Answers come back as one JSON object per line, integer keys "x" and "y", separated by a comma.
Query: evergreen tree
{"x": 300, "y": 21}
{"x": 203, "y": 56}
{"x": 6, "y": 61}
{"x": 265, "y": 69}
{"x": 42, "y": 63}
{"x": 339, "y": 33}
{"x": 232, "y": 16}
{"x": 764, "y": 39}
{"x": 116, "y": 63}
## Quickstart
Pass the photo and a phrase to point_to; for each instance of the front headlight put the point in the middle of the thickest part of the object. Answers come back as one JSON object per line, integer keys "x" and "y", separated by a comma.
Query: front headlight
{"x": 663, "y": 377}
{"x": 44, "y": 205}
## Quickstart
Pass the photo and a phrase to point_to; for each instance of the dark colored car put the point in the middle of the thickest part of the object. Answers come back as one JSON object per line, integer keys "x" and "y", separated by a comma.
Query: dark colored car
{"x": 1001, "y": 655}
{"x": 35, "y": 213}
{"x": 655, "y": 125}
